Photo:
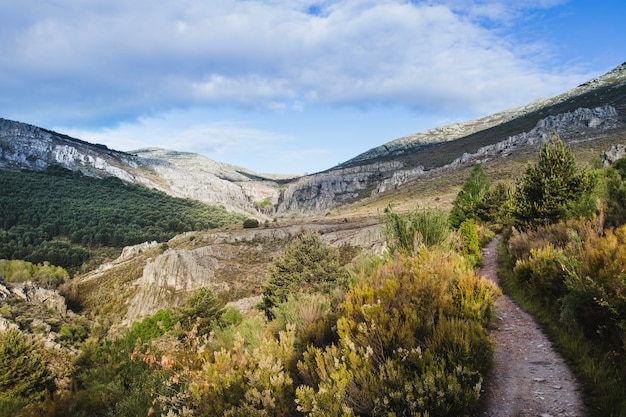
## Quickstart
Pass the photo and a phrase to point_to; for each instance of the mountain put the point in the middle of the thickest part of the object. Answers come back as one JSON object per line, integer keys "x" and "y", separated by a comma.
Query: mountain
{"x": 179, "y": 174}
{"x": 589, "y": 110}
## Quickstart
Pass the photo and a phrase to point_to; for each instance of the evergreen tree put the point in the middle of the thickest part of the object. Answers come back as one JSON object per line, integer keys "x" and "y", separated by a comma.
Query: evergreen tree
{"x": 468, "y": 200}
{"x": 202, "y": 307}
{"x": 22, "y": 370}
{"x": 551, "y": 188}
{"x": 307, "y": 265}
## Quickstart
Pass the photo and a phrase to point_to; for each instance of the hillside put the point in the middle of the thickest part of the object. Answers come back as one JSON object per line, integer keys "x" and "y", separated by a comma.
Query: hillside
{"x": 178, "y": 174}
{"x": 586, "y": 113}
{"x": 591, "y": 110}
{"x": 120, "y": 317}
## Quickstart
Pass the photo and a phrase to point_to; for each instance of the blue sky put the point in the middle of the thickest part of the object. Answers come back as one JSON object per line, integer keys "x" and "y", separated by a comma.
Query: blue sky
{"x": 290, "y": 86}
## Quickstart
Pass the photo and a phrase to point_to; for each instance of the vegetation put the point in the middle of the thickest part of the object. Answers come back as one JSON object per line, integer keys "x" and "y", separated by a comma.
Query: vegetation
{"x": 397, "y": 335}
{"x": 468, "y": 202}
{"x": 405, "y": 233}
{"x": 23, "y": 375}
{"x": 551, "y": 190}
{"x": 566, "y": 266}
{"x": 60, "y": 216}
{"x": 44, "y": 275}
{"x": 306, "y": 266}
{"x": 250, "y": 224}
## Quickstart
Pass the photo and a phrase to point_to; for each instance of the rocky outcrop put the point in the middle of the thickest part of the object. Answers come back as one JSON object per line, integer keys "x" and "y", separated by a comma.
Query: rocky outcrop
{"x": 579, "y": 122}
{"x": 320, "y": 192}
{"x": 613, "y": 154}
{"x": 227, "y": 261}
{"x": 49, "y": 299}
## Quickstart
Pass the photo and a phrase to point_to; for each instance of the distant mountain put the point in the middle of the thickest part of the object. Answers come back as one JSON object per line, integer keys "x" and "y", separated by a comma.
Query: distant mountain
{"x": 587, "y": 110}
{"x": 179, "y": 174}
{"x": 596, "y": 107}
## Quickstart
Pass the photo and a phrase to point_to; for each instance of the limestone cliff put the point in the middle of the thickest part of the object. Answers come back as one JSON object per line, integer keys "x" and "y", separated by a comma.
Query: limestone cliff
{"x": 235, "y": 262}
{"x": 321, "y": 192}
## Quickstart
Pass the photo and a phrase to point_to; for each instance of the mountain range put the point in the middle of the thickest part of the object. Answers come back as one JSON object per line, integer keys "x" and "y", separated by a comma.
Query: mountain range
{"x": 581, "y": 114}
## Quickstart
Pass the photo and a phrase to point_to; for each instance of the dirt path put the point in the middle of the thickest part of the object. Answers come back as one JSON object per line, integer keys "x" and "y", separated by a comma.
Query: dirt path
{"x": 529, "y": 378}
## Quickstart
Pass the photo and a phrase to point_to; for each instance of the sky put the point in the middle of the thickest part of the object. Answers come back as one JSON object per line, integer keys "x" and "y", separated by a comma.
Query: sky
{"x": 290, "y": 86}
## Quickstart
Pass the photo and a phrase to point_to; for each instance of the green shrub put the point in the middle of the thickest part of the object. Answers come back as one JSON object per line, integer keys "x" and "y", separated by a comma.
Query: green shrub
{"x": 405, "y": 233}
{"x": 469, "y": 239}
{"x": 202, "y": 310}
{"x": 467, "y": 204}
{"x": 250, "y": 224}
{"x": 543, "y": 274}
{"x": 23, "y": 373}
{"x": 306, "y": 266}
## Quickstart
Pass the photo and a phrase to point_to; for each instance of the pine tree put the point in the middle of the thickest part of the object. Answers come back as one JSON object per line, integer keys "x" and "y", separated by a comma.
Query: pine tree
{"x": 467, "y": 202}
{"x": 307, "y": 265}
{"x": 22, "y": 370}
{"x": 551, "y": 187}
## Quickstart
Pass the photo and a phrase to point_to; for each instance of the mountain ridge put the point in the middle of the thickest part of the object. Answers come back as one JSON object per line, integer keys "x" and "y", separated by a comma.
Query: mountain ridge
{"x": 595, "y": 106}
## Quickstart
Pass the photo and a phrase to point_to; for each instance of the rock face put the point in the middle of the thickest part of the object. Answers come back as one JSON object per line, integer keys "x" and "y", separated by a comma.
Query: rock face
{"x": 49, "y": 299}
{"x": 231, "y": 261}
{"x": 613, "y": 154}
{"x": 179, "y": 174}
{"x": 579, "y": 122}
{"x": 324, "y": 191}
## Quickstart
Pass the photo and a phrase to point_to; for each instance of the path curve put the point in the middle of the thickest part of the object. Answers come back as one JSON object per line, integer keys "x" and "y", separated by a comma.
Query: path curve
{"x": 529, "y": 378}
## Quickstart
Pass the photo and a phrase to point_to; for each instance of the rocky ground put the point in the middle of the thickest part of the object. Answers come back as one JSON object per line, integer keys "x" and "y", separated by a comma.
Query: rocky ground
{"x": 530, "y": 378}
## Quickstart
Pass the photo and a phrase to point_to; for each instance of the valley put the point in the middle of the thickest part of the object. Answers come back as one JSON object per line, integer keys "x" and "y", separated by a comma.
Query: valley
{"x": 139, "y": 236}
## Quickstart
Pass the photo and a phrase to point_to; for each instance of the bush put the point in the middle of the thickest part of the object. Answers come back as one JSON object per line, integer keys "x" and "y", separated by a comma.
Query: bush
{"x": 406, "y": 344}
{"x": 202, "y": 310}
{"x": 543, "y": 274}
{"x": 405, "y": 233}
{"x": 250, "y": 224}
{"x": 306, "y": 266}
{"x": 469, "y": 239}
{"x": 23, "y": 374}
{"x": 467, "y": 204}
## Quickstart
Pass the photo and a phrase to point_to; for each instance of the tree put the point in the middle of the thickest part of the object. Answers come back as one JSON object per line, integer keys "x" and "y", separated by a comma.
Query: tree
{"x": 468, "y": 200}
{"x": 551, "y": 190}
{"x": 307, "y": 266}
{"x": 22, "y": 371}
{"x": 202, "y": 307}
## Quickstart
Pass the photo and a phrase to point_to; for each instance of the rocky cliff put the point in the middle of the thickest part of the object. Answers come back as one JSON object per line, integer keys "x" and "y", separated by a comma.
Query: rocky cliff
{"x": 321, "y": 192}
{"x": 179, "y": 174}
{"x": 234, "y": 262}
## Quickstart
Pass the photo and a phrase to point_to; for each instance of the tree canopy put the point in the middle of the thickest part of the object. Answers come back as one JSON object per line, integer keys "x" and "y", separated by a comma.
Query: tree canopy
{"x": 551, "y": 189}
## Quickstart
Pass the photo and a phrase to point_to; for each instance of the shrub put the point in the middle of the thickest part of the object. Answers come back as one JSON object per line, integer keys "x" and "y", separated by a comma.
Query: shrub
{"x": 405, "y": 233}
{"x": 250, "y": 224}
{"x": 405, "y": 343}
{"x": 23, "y": 373}
{"x": 469, "y": 239}
{"x": 543, "y": 274}
{"x": 238, "y": 381}
{"x": 306, "y": 266}
{"x": 467, "y": 204}
{"x": 202, "y": 309}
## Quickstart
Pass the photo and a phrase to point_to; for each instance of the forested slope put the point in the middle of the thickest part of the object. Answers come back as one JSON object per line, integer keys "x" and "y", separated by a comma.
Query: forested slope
{"x": 62, "y": 216}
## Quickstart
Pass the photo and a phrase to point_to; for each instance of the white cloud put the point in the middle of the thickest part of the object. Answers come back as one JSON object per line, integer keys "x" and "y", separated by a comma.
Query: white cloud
{"x": 182, "y": 131}
{"x": 133, "y": 56}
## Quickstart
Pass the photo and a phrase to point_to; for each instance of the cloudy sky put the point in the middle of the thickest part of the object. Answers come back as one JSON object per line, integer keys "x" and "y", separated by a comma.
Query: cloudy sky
{"x": 290, "y": 86}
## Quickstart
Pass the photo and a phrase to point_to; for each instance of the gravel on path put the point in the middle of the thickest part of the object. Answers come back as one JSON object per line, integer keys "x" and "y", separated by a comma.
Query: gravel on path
{"x": 529, "y": 377}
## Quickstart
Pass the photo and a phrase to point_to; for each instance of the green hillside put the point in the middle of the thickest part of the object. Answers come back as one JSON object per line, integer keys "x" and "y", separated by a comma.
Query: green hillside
{"x": 61, "y": 216}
